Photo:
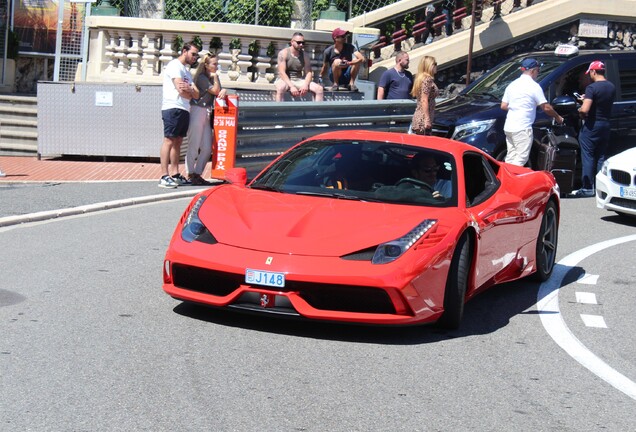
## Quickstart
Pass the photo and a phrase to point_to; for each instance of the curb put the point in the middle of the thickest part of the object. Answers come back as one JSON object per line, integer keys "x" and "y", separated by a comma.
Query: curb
{"x": 91, "y": 208}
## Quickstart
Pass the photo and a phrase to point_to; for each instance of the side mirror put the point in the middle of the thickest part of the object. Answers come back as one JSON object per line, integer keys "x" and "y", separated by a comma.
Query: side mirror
{"x": 237, "y": 176}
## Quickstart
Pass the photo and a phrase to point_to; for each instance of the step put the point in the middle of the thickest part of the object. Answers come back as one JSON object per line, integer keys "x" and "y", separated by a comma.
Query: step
{"x": 19, "y": 135}
{"x": 19, "y": 122}
{"x": 18, "y": 148}
{"x": 17, "y": 112}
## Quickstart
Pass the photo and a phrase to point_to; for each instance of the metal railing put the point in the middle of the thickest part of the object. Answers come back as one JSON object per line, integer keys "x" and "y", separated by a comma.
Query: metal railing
{"x": 268, "y": 129}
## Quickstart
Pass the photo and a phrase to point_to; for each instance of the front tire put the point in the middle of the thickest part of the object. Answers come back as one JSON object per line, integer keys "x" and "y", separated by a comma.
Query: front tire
{"x": 456, "y": 284}
{"x": 547, "y": 243}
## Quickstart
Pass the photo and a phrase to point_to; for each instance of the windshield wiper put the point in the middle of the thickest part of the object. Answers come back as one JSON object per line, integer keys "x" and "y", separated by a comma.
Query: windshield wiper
{"x": 330, "y": 195}
{"x": 487, "y": 95}
{"x": 265, "y": 188}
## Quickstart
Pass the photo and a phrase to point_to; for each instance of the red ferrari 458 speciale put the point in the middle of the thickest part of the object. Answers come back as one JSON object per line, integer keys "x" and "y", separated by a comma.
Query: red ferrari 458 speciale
{"x": 366, "y": 227}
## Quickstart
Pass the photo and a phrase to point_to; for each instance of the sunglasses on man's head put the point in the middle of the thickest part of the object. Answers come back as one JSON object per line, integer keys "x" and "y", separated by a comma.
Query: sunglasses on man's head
{"x": 300, "y": 42}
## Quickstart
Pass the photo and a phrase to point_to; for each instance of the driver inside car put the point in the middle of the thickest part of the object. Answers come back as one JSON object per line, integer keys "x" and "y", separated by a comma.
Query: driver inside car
{"x": 425, "y": 167}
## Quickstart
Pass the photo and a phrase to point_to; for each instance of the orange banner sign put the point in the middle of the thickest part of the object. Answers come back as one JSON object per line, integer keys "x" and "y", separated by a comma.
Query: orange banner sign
{"x": 225, "y": 132}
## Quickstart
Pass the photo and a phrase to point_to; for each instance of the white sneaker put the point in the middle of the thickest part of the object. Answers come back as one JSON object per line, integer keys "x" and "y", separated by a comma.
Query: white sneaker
{"x": 181, "y": 180}
{"x": 167, "y": 182}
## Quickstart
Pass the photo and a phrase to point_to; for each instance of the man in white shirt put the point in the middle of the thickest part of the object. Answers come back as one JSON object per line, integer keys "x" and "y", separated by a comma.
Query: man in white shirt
{"x": 178, "y": 89}
{"x": 521, "y": 99}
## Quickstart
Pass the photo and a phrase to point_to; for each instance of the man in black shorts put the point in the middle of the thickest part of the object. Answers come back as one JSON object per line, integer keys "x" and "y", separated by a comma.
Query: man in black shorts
{"x": 178, "y": 89}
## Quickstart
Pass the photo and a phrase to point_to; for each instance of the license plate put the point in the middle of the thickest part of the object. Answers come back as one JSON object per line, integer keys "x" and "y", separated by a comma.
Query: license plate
{"x": 628, "y": 192}
{"x": 267, "y": 278}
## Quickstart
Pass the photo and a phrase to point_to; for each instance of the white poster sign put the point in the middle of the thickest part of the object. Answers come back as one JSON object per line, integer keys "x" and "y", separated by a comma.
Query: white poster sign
{"x": 593, "y": 28}
{"x": 103, "y": 98}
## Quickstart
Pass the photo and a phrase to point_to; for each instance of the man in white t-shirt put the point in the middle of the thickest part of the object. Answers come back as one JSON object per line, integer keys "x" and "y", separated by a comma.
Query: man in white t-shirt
{"x": 178, "y": 89}
{"x": 521, "y": 99}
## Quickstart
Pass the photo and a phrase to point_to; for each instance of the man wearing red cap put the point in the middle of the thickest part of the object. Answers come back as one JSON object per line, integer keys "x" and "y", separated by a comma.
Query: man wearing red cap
{"x": 342, "y": 60}
{"x": 595, "y": 110}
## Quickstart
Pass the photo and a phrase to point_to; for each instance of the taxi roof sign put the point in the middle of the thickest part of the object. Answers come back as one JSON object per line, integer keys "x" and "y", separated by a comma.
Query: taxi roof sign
{"x": 566, "y": 50}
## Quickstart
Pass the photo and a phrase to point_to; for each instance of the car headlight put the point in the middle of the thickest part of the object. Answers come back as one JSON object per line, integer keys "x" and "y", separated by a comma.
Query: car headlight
{"x": 392, "y": 250}
{"x": 605, "y": 168}
{"x": 466, "y": 130}
{"x": 193, "y": 228}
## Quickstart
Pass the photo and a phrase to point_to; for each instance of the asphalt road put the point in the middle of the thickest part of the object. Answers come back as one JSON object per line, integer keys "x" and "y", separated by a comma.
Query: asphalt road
{"x": 89, "y": 341}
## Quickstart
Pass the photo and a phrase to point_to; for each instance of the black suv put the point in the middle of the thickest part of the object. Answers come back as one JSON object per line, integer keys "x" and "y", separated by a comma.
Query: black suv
{"x": 475, "y": 116}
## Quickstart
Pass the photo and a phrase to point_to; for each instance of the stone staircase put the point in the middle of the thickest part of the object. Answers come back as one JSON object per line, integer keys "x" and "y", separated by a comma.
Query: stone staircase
{"x": 18, "y": 125}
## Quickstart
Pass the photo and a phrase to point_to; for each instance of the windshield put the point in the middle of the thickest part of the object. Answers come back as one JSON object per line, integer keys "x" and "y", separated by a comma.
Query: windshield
{"x": 366, "y": 171}
{"x": 494, "y": 83}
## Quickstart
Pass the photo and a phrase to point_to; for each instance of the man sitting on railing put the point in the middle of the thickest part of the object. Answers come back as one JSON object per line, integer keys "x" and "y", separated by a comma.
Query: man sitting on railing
{"x": 294, "y": 72}
{"x": 343, "y": 61}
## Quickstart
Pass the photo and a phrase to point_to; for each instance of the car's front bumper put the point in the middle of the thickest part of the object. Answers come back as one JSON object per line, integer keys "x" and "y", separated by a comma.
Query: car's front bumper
{"x": 321, "y": 288}
{"x": 612, "y": 196}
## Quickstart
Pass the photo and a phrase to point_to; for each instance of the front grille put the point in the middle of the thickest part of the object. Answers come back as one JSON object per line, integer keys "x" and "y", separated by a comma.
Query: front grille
{"x": 345, "y": 298}
{"x": 204, "y": 280}
{"x": 623, "y": 202}
{"x": 621, "y": 177}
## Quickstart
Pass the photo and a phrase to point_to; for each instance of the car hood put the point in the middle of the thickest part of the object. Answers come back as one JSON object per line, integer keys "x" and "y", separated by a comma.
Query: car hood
{"x": 305, "y": 225}
{"x": 625, "y": 161}
{"x": 452, "y": 111}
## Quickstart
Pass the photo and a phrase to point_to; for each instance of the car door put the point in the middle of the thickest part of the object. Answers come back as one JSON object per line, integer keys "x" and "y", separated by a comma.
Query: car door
{"x": 496, "y": 214}
{"x": 624, "y": 109}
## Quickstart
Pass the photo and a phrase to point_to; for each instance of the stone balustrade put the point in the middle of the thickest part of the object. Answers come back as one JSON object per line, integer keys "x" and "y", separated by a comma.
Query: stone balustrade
{"x": 135, "y": 50}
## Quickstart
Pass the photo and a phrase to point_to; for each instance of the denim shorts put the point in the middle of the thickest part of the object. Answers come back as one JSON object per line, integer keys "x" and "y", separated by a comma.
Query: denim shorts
{"x": 175, "y": 122}
{"x": 345, "y": 76}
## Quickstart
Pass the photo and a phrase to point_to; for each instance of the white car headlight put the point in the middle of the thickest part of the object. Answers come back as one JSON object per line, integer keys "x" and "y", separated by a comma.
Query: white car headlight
{"x": 605, "y": 168}
{"x": 466, "y": 130}
{"x": 392, "y": 250}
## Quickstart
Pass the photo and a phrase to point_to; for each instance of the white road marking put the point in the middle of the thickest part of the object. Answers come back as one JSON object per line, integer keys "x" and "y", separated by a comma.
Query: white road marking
{"x": 585, "y": 297}
{"x": 593, "y": 321}
{"x": 548, "y": 306}
{"x": 588, "y": 279}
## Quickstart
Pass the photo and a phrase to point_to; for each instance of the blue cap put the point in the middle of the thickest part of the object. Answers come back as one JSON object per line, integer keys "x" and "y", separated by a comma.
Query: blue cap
{"x": 529, "y": 63}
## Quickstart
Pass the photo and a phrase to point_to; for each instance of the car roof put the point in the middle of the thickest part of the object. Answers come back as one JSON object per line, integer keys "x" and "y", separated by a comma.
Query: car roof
{"x": 581, "y": 53}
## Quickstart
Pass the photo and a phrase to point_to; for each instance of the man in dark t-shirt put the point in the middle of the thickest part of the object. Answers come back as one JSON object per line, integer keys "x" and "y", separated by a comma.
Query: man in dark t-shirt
{"x": 397, "y": 82}
{"x": 342, "y": 61}
{"x": 596, "y": 111}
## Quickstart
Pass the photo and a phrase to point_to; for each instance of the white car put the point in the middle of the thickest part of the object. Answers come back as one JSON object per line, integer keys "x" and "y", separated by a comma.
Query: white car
{"x": 616, "y": 184}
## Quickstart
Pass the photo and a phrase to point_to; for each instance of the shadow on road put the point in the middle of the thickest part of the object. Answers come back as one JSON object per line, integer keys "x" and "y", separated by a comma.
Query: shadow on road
{"x": 484, "y": 314}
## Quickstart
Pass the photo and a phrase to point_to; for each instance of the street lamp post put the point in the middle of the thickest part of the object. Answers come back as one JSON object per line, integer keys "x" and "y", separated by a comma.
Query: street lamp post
{"x": 472, "y": 38}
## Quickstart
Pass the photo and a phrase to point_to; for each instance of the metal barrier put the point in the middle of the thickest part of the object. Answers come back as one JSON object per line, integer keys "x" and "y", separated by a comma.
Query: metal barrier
{"x": 268, "y": 129}
{"x": 123, "y": 120}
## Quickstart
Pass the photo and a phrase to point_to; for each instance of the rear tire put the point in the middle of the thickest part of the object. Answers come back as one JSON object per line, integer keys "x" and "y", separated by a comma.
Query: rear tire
{"x": 456, "y": 284}
{"x": 547, "y": 243}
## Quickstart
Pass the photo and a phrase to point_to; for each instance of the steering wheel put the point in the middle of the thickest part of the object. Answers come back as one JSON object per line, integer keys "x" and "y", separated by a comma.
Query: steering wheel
{"x": 416, "y": 182}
